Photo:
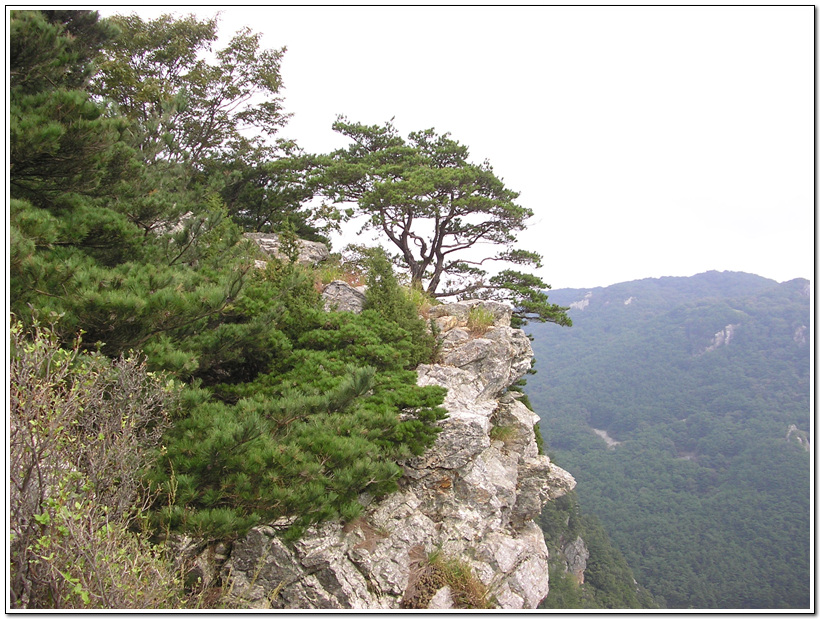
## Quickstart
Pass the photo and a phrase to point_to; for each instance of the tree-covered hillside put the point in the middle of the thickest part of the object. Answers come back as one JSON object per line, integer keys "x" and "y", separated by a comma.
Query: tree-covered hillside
{"x": 681, "y": 406}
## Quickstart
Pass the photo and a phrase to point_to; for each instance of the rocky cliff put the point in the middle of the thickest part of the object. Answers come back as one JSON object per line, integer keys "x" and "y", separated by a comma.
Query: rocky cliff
{"x": 468, "y": 503}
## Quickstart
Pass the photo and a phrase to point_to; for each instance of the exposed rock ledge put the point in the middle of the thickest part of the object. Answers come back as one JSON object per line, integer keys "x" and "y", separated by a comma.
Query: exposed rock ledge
{"x": 310, "y": 252}
{"x": 471, "y": 497}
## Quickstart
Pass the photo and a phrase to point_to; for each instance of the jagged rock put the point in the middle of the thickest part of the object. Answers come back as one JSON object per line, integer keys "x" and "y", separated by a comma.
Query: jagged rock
{"x": 798, "y": 436}
{"x": 576, "y": 554}
{"x": 310, "y": 252}
{"x": 722, "y": 338}
{"x": 198, "y": 561}
{"x": 172, "y": 227}
{"x": 443, "y": 599}
{"x": 459, "y": 312}
{"x": 340, "y": 296}
{"x": 445, "y": 323}
{"x": 469, "y": 497}
{"x": 519, "y": 421}
{"x": 452, "y": 337}
{"x": 499, "y": 358}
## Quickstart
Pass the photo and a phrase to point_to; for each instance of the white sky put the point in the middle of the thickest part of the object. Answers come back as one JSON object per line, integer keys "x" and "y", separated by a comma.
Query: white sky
{"x": 649, "y": 141}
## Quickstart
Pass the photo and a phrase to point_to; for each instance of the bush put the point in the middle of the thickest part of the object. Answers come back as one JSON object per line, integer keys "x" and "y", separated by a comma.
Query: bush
{"x": 388, "y": 299}
{"x": 337, "y": 268}
{"x": 480, "y": 320}
{"x": 505, "y": 434}
{"x": 80, "y": 429}
{"x": 326, "y": 417}
{"x": 421, "y": 300}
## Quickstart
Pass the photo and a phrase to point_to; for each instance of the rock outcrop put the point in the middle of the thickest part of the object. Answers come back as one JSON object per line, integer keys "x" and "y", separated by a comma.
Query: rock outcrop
{"x": 576, "y": 554}
{"x": 339, "y": 296}
{"x": 310, "y": 252}
{"x": 472, "y": 498}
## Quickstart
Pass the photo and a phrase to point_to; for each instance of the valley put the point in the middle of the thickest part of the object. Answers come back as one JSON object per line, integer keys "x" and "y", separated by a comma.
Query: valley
{"x": 681, "y": 406}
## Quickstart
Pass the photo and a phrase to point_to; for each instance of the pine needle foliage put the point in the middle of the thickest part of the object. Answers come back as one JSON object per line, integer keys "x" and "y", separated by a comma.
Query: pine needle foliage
{"x": 327, "y": 418}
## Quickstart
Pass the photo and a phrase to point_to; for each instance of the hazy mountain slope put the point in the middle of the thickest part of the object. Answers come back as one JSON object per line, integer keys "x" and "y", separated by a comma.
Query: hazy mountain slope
{"x": 695, "y": 383}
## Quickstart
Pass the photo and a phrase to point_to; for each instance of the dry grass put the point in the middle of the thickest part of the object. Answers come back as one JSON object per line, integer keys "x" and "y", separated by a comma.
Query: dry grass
{"x": 338, "y": 269}
{"x": 480, "y": 320}
{"x": 503, "y": 433}
{"x": 423, "y": 301}
{"x": 430, "y": 573}
{"x": 372, "y": 535}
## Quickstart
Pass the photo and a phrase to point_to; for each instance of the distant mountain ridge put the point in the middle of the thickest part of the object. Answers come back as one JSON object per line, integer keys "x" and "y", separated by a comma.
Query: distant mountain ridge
{"x": 675, "y": 289}
{"x": 681, "y": 406}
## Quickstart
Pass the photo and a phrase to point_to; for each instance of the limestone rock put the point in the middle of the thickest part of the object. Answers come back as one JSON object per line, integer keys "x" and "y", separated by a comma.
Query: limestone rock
{"x": 453, "y": 337}
{"x": 499, "y": 358}
{"x": 340, "y": 296}
{"x": 576, "y": 554}
{"x": 460, "y": 310}
{"x": 469, "y": 497}
{"x": 172, "y": 227}
{"x": 443, "y": 599}
{"x": 518, "y": 422}
{"x": 445, "y": 323}
{"x": 310, "y": 252}
{"x": 198, "y": 561}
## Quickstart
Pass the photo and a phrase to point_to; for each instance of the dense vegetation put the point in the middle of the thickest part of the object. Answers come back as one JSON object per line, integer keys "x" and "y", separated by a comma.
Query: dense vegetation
{"x": 271, "y": 407}
{"x": 608, "y": 580}
{"x": 704, "y": 382}
{"x": 137, "y": 161}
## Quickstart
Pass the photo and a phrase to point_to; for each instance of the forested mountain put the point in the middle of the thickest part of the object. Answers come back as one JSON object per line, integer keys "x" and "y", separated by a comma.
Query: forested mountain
{"x": 681, "y": 406}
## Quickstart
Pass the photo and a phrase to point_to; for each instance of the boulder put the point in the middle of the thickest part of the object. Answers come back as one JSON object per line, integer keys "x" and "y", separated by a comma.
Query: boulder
{"x": 339, "y": 296}
{"x": 499, "y": 358}
{"x": 576, "y": 554}
{"x": 460, "y": 311}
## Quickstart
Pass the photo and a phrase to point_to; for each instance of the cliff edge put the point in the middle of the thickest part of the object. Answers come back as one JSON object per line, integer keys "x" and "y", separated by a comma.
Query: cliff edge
{"x": 468, "y": 502}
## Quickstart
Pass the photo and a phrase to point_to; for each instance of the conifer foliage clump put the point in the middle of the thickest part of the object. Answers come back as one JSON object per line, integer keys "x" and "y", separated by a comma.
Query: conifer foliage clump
{"x": 328, "y": 416}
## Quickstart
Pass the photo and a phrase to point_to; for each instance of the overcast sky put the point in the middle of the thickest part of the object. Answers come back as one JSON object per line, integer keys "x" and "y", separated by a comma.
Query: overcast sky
{"x": 649, "y": 141}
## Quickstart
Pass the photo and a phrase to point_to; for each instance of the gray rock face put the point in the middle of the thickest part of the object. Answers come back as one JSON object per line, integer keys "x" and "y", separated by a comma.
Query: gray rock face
{"x": 461, "y": 311}
{"x": 576, "y": 554}
{"x": 172, "y": 227}
{"x": 342, "y": 297}
{"x": 471, "y": 497}
{"x": 499, "y": 357}
{"x": 310, "y": 252}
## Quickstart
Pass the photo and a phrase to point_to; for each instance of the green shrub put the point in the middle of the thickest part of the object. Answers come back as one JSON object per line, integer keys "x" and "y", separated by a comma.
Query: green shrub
{"x": 331, "y": 410}
{"x": 480, "y": 320}
{"x": 336, "y": 268}
{"x": 81, "y": 558}
{"x": 420, "y": 299}
{"x": 80, "y": 432}
{"x": 503, "y": 433}
{"x": 539, "y": 438}
{"x": 387, "y": 298}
